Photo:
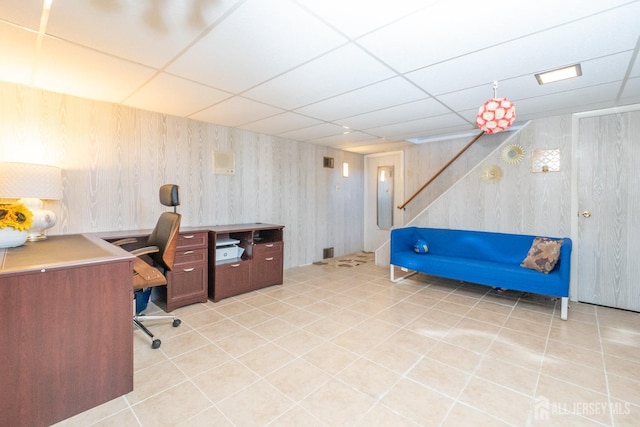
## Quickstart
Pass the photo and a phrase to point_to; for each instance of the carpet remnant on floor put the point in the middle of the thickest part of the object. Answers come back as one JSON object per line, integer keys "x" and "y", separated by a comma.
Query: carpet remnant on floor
{"x": 348, "y": 261}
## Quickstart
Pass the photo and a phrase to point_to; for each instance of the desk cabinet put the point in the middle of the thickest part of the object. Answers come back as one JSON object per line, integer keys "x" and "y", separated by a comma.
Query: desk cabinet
{"x": 187, "y": 282}
{"x": 261, "y": 264}
{"x": 67, "y": 341}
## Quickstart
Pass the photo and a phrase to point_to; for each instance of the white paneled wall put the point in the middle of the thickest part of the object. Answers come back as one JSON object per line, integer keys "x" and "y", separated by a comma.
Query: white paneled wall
{"x": 115, "y": 158}
{"x": 521, "y": 202}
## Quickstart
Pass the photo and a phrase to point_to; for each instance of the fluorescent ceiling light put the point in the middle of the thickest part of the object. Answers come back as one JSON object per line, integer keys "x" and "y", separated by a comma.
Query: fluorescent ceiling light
{"x": 559, "y": 74}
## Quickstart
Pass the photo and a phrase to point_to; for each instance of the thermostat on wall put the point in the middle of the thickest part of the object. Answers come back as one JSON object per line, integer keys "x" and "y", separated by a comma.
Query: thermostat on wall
{"x": 224, "y": 163}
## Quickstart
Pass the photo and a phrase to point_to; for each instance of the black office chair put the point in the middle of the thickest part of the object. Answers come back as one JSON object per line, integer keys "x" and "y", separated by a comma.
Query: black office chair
{"x": 161, "y": 248}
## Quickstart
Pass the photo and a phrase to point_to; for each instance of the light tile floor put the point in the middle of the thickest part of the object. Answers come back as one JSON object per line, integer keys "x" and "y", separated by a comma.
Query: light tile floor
{"x": 343, "y": 346}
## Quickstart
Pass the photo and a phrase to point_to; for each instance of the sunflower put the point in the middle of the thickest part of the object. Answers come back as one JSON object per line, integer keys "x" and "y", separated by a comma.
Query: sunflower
{"x": 16, "y": 216}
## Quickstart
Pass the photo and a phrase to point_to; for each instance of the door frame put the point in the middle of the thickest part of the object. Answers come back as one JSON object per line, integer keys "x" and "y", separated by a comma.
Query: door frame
{"x": 370, "y": 181}
{"x": 575, "y": 205}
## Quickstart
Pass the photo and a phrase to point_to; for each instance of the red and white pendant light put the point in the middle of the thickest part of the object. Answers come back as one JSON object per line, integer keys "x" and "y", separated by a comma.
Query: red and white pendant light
{"x": 496, "y": 114}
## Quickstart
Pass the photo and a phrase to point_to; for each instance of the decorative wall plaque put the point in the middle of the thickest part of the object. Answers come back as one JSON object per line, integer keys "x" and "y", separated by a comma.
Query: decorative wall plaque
{"x": 545, "y": 160}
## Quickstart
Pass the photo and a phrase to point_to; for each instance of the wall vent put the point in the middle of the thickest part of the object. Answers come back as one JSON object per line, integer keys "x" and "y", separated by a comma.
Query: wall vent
{"x": 327, "y": 253}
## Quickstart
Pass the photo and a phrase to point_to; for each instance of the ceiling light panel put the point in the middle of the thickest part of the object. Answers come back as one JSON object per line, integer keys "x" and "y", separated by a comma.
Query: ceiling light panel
{"x": 276, "y": 35}
{"x": 559, "y": 74}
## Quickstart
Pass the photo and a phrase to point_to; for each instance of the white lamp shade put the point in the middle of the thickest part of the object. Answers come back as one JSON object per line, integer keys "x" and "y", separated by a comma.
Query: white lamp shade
{"x": 26, "y": 180}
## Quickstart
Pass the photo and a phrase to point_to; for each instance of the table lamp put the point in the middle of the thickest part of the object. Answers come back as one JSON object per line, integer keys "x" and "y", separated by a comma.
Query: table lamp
{"x": 31, "y": 183}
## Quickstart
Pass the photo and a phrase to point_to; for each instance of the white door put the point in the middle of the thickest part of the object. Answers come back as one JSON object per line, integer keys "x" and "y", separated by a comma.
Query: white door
{"x": 374, "y": 236}
{"x": 608, "y": 177}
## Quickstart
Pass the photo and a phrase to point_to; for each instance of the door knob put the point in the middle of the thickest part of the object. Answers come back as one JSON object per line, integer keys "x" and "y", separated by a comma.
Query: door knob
{"x": 586, "y": 214}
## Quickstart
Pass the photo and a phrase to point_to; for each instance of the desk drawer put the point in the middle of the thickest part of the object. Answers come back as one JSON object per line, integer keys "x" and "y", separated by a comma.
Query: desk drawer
{"x": 265, "y": 250}
{"x": 192, "y": 240}
{"x": 190, "y": 257}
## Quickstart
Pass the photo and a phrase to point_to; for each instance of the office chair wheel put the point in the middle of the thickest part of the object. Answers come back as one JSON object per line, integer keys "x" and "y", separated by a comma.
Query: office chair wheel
{"x": 156, "y": 344}
{"x": 176, "y": 323}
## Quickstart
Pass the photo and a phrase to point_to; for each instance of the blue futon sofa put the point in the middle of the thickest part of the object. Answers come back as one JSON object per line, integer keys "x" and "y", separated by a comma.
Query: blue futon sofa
{"x": 480, "y": 257}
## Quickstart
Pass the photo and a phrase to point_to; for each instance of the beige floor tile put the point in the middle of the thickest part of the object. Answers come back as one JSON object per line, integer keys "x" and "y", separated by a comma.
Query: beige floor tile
{"x": 231, "y": 307}
{"x": 221, "y": 382}
{"x": 201, "y": 359}
{"x": 330, "y": 357}
{"x": 593, "y": 379}
{"x": 417, "y": 403}
{"x": 251, "y": 318}
{"x": 486, "y": 316}
{"x": 209, "y": 417}
{"x": 298, "y": 379}
{"x": 624, "y": 389}
{"x": 497, "y": 401}
{"x": 401, "y": 314}
{"x": 221, "y": 329}
{"x": 566, "y": 397}
{"x": 623, "y": 350}
{"x": 464, "y": 415}
{"x": 326, "y": 328}
{"x": 526, "y": 327}
{"x": 443, "y": 378}
{"x": 256, "y": 405}
{"x": 183, "y": 343}
{"x": 622, "y": 367}
{"x": 171, "y": 406}
{"x": 273, "y": 329}
{"x": 153, "y": 380}
{"x": 624, "y": 413}
{"x": 241, "y": 343}
{"x": 300, "y": 318}
{"x": 337, "y": 404}
{"x": 266, "y": 359}
{"x": 297, "y": 416}
{"x": 381, "y": 416}
{"x": 508, "y": 375}
{"x": 457, "y": 357}
{"x": 575, "y": 354}
{"x": 299, "y": 342}
{"x": 368, "y": 377}
{"x": 201, "y": 318}
{"x": 472, "y": 335}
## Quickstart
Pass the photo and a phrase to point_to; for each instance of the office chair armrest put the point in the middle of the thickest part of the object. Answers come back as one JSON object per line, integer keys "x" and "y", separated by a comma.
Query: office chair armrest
{"x": 145, "y": 250}
{"x": 126, "y": 241}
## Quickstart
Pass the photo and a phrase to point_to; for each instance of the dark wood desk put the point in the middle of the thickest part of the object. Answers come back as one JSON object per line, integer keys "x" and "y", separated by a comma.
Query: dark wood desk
{"x": 67, "y": 341}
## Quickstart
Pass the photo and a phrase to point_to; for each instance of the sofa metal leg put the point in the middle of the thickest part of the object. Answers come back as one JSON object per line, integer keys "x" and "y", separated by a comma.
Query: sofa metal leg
{"x": 564, "y": 308}
{"x": 395, "y": 279}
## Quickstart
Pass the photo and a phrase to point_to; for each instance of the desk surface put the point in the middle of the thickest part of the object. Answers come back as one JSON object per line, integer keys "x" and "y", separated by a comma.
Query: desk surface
{"x": 59, "y": 251}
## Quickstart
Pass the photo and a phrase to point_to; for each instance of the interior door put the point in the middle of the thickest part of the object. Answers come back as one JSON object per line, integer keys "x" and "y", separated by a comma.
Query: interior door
{"x": 374, "y": 234}
{"x": 608, "y": 171}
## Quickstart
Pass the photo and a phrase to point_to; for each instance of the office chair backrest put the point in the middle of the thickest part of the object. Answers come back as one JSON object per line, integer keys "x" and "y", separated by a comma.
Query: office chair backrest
{"x": 165, "y": 233}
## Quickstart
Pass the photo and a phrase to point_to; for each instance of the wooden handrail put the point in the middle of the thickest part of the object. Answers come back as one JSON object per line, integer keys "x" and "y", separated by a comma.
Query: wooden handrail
{"x": 475, "y": 138}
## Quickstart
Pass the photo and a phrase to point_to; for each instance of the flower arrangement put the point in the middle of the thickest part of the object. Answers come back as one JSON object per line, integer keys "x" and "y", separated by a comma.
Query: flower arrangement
{"x": 16, "y": 216}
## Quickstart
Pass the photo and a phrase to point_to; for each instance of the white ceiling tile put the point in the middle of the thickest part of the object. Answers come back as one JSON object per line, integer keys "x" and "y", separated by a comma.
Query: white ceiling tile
{"x": 562, "y": 46}
{"x": 72, "y": 69}
{"x": 417, "y": 128}
{"x": 399, "y": 113}
{"x": 341, "y": 139}
{"x": 257, "y": 42}
{"x": 235, "y": 112}
{"x": 442, "y": 32}
{"x": 22, "y": 12}
{"x": 357, "y": 17}
{"x": 149, "y": 32}
{"x": 163, "y": 87}
{"x": 17, "y": 54}
{"x": 322, "y": 78}
{"x": 314, "y": 132}
{"x": 281, "y": 123}
{"x": 394, "y": 91}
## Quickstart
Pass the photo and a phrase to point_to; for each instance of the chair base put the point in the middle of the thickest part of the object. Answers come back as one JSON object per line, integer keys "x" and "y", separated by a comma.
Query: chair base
{"x": 139, "y": 318}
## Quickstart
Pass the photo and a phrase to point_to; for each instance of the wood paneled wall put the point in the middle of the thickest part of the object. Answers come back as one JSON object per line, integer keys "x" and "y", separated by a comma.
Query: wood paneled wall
{"x": 114, "y": 159}
{"x": 522, "y": 201}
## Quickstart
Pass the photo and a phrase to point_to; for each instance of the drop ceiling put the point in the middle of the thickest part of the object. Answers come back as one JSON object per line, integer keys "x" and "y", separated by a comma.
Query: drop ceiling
{"x": 359, "y": 75}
